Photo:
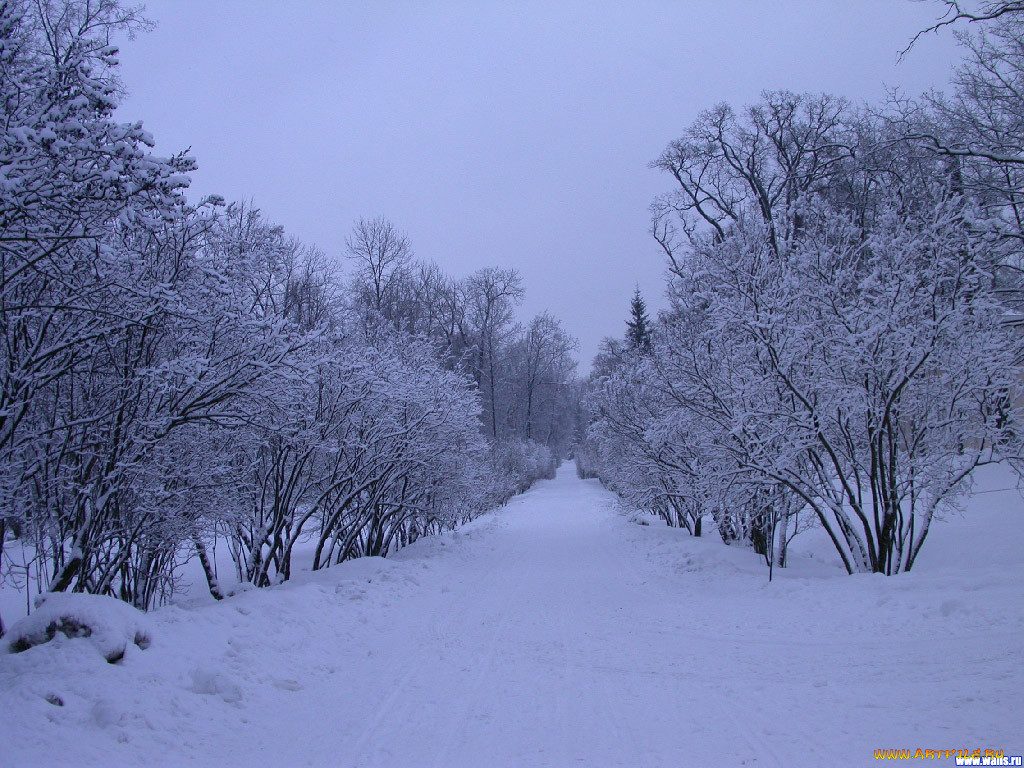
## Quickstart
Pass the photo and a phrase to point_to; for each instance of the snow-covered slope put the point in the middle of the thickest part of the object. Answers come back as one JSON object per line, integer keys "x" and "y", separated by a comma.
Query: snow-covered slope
{"x": 555, "y": 632}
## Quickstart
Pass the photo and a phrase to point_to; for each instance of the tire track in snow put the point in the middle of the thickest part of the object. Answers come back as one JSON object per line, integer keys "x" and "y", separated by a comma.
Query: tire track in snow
{"x": 481, "y": 592}
{"x": 456, "y": 726}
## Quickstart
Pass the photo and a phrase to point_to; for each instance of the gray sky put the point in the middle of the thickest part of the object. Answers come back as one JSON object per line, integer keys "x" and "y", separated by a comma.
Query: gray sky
{"x": 508, "y": 133}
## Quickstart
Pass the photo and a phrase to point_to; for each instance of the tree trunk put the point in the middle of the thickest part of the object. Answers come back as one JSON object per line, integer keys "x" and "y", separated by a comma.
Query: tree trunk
{"x": 211, "y": 577}
{"x": 68, "y": 572}
{"x": 28, "y": 585}
{"x": 529, "y": 410}
{"x": 782, "y": 539}
{"x": 490, "y": 375}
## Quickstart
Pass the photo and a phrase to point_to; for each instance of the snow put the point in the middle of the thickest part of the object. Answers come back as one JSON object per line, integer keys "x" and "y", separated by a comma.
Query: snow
{"x": 556, "y": 632}
{"x": 108, "y": 624}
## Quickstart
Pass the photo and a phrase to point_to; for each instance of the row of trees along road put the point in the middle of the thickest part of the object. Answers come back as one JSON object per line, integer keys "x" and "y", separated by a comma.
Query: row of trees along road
{"x": 842, "y": 345}
{"x": 175, "y": 374}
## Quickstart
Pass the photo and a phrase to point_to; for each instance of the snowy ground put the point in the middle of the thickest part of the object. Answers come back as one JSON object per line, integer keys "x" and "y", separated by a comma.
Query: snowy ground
{"x": 556, "y": 633}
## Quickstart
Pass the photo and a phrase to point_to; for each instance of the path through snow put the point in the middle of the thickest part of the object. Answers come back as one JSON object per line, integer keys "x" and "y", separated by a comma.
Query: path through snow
{"x": 550, "y": 633}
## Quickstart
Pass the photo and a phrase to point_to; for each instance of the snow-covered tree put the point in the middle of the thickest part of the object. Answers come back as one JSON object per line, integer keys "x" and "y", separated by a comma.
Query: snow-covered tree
{"x": 73, "y": 181}
{"x": 172, "y": 374}
{"x": 842, "y": 351}
{"x": 638, "y": 327}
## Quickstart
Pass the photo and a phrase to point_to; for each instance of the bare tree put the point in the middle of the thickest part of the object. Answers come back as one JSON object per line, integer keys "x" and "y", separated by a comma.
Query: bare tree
{"x": 381, "y": 252}
{"x": 763, "y": 159}
{"x": 547, "y": 364}
{"x": 979, "y": 128}
{"x": 491, "y": 295}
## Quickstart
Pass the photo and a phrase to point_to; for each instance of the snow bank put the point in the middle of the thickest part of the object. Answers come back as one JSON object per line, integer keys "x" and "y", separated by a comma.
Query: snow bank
{"x": 108, "y": 623}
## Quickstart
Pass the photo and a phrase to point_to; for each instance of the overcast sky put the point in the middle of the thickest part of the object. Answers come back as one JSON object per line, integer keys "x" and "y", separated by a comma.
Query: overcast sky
{"x": 495, "y": 133}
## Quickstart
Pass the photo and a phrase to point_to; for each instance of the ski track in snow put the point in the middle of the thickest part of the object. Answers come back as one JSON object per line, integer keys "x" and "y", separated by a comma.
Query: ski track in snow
{"x": 552, "y": 632}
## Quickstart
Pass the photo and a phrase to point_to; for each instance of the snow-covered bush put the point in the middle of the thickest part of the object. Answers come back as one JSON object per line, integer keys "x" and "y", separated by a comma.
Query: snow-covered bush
{"x": 77, "y": 186}
{"x": 374, "y": 444}
{"x": 109, "y": 624}
{"x": 173, "y": 371}
{"x": 522, "y": 463}
{"x": 838, "y": 347}
{"x": 586, "y": 462}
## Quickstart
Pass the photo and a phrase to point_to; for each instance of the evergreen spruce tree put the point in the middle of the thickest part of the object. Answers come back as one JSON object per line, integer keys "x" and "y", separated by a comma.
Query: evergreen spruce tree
{"x": 638, "y": 333}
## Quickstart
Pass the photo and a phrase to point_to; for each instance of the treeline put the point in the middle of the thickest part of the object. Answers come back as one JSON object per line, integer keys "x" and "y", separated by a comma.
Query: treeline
{"x": 842, "y": 344}
{"x": 177, "y": 372}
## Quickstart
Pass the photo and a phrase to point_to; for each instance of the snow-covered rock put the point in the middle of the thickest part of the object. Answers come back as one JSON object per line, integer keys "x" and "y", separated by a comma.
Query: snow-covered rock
{"x": 111, "y": 625}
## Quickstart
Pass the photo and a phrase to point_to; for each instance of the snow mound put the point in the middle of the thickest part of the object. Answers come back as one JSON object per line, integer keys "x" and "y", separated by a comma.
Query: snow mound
{"x": 640, "y": 517}
{"x": 210, "y": 682}
{"x": 111, "y": 625}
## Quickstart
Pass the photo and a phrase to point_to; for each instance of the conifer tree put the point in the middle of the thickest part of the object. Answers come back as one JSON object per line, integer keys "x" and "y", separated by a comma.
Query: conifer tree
{"x": 638, "y": 333}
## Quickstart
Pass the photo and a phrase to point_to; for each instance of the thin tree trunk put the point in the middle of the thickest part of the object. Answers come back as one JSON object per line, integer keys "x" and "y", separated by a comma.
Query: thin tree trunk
{"x": 211, "y": 577}
{"x": 494, "y": 408}
{"x": 782, "y": 540}
{"x": 67, "y": 574}
{"x": 28, "y": 584}
{"x": 529, "y": 410}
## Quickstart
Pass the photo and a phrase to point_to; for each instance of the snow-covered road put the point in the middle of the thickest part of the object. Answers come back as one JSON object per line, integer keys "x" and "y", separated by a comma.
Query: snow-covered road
{"x": 548, "y": 648}
{"x": 553, "y": 632}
